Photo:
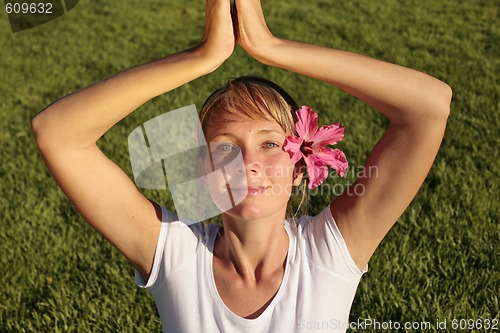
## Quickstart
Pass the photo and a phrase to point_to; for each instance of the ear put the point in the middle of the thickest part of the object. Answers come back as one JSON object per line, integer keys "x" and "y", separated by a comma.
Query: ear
{"x": 298, "y": 174}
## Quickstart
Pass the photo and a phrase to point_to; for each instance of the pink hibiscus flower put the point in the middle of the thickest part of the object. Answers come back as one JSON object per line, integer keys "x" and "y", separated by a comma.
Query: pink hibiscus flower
{"x": 310, "y": 144}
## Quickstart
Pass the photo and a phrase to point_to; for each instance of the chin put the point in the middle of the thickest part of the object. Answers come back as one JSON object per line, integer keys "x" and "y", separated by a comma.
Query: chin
{"x": 253, "y": 211}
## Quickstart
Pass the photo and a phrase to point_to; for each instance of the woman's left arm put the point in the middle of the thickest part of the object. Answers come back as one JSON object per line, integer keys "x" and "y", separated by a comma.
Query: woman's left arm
{"x": 416, "y": 104}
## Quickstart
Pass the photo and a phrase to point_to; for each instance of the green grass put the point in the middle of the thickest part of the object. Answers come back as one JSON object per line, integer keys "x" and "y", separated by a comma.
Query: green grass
{"x": 439, "y": 262}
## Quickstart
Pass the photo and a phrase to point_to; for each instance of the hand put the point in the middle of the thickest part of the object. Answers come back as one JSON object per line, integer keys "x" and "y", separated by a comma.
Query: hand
{"x": 218, "y": 40}
{"x": 251, "y": 29}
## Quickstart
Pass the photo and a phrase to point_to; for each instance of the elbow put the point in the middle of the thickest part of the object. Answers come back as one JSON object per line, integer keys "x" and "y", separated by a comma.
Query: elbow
{"x": 443, "y": 95}
{"x": 36, "y": 128}
{"x": 432, "y": 106}
{"x": 39, "y": 131}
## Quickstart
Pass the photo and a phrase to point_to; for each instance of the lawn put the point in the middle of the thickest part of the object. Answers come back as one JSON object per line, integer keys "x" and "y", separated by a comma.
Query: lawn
{"x": 441, "y": 260}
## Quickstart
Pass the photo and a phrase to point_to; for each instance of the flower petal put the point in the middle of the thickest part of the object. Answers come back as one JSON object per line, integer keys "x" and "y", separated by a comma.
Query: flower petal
{"x": 307, "y": 125}
{"x": 316, "y": 170}
{"x": 334, "y": 158}
{"x": 292, "y": 147}
{"x": 328, "y": 135}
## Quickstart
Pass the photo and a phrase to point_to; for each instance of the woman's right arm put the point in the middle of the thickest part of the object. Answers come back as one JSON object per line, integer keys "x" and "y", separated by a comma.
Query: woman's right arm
{"x": 416, "y": 105}
{"x": 66, "y": 133}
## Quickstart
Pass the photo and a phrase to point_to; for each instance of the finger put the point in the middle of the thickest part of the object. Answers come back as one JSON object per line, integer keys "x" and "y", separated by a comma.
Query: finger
{"x": 234, "y": 17}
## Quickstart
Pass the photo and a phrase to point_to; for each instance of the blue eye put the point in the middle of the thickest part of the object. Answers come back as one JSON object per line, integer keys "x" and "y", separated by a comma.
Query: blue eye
{"x": 270, "y": 145}
{"x": 226, "y": 148}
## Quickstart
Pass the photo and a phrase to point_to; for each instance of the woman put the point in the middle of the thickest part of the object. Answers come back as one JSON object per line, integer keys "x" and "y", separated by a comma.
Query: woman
{"x": 255, "y": 274}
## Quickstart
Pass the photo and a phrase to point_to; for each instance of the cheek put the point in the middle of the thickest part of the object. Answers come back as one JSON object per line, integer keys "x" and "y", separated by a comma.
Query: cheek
{"x": 280, "y": 172}
{"x": 279, "y": 168}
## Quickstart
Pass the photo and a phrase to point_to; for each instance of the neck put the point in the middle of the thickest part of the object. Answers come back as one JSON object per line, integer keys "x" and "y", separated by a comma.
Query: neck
{"x": 256, "y": 249}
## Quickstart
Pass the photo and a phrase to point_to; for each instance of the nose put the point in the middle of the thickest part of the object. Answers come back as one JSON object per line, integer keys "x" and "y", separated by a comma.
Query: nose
{"x": 251, "y": 162}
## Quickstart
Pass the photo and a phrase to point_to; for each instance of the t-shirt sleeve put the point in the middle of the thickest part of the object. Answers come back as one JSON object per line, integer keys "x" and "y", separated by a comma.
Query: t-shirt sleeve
{"x": 326, "y": 246}
{"x": 177, "y": 243}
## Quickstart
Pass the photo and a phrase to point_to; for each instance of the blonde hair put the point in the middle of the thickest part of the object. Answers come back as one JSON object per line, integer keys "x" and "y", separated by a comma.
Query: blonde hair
{"x": 255, "y": 98}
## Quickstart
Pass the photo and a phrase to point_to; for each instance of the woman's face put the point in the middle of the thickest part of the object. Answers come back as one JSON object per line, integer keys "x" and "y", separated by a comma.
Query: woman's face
{"x": 257, "y": 175}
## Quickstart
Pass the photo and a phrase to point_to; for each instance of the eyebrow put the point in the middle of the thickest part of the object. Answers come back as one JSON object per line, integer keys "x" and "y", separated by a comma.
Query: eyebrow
{"x": 267, "y": 131}
{"x": 261, "y": 132}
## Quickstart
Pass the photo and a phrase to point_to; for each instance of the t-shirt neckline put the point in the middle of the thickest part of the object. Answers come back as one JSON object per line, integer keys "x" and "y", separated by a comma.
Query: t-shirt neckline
{"x": 213, "y": 288}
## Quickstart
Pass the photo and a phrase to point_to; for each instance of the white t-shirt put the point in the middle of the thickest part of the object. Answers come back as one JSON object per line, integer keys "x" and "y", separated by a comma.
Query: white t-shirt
{"x": 315, "y": 295}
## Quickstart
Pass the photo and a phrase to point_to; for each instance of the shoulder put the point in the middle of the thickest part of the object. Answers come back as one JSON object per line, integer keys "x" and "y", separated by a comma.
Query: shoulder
{"x": 321, "y": 241}
{"x": 179, "y": 243}
{"x": 175, "y": 229}
{"x": 305, "y": 224}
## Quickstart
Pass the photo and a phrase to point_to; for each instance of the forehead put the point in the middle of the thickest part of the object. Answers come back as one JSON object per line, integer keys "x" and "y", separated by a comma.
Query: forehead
{"x": 240, "y": 128}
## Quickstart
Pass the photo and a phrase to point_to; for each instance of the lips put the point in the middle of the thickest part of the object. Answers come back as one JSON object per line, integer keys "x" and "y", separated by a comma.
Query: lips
{"x": 250, "y": 190}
